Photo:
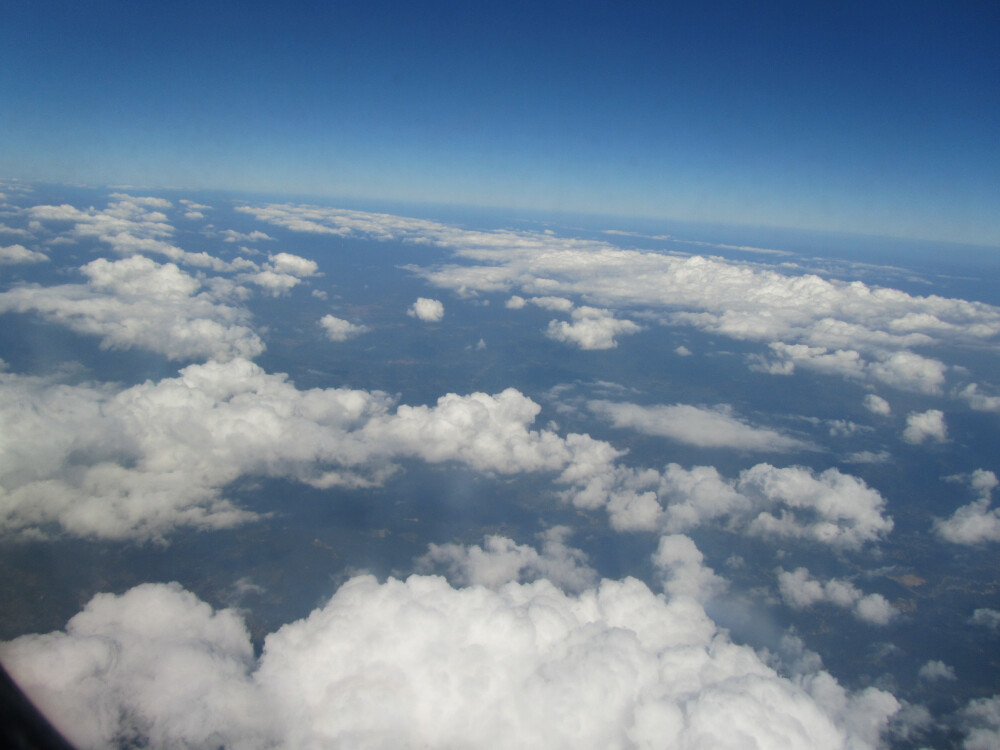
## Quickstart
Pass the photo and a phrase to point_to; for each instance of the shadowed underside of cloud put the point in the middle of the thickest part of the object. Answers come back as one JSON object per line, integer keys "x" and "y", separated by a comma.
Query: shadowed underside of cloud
{"x": 706, "y": 428}
{"x": 418, "y": 663}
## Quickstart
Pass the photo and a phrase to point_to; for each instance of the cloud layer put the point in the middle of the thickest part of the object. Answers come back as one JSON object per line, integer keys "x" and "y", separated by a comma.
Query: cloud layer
{"x": 847, "y": 329}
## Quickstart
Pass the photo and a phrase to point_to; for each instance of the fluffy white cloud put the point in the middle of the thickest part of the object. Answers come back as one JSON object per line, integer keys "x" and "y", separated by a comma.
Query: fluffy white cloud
{"x": 848, "y": 328}
{"x": 867, "y": 457}
{"x": 515, "y": 303}
{"x": 875, "y": 609}
{"x": 936, "y": 670}
{"x": 231, "y": 235}
{"x": 707, "y": 428}
{"x": 418, "y": 663}
{"x": 904, "y": 370}
{"x": 877, "y": 405}
{"x": 338, "y": 329}
{"x": 137, "y": 302}
{"x": 556, "y": 304}
{"x": 831, "y": 507}
{"x": 793, "y": 502}
{"x": 501, "y": 560}
{"x": 923, "y": 426}
{"x": 13, "y": 231}
{"x": 592, "y": 328}
{"x": 800, "y": 590}
{"x": 16, "y": 254}
{"x": 978, "y": 400}
{"x": 275, "y": 284}
{"x": 909, "y": 371}
{"x": 293, "y": 265}
{"x": 982, "y": 723}
{"x": 684, "y": 569}
{"x": 987, "y": 618}
{"x": 135, "y": 463}
{"x": 977, "y": 522}
{"x": 283, "y": 272}
{"x": 129, "y": 225}
{"x": 428, "y": 310}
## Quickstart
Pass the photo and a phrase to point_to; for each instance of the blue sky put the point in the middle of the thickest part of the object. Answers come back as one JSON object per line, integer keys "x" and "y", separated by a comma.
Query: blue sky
{"x": 863, "y": 117}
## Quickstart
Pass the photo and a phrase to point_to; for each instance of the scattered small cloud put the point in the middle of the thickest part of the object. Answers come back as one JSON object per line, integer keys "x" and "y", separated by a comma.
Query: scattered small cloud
{"x": 924, "y": 426}
{"x": 877, "y": 405}
{"x": 427, "y": 310}
{"x": 717, "y": 427}
{"x": 19, "y": 254}
{"x": 987, "y": 618}
{"x": 935, "y": 670}
{"x": 592, "y": 328}
{"x": 800, "y": 590}
{"x": 977, "y": 522}
{"x": 338, "y": 329}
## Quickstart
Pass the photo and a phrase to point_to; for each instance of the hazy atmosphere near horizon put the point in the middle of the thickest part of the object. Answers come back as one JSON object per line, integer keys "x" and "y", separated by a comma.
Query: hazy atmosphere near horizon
{"x": 508, "y": 375}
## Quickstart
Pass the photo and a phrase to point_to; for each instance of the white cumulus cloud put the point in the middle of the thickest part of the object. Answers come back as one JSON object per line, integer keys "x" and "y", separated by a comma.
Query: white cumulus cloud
{"x": 924, "y": 426}
{"x": 129, "y": 225}
{"x": 977, "y": 522}
{"x": 501, "y": 560}
{"x": 936, "y": 670}
{"x": 427, "y": 310}
{"x": 136, "y": 463}
{"x": 981, "y": 719}
{"x": 877, "y": 405}
{"x": 17, "y": 254}
{"x": 705, "y": 427}
{"x": 137, "y": 302}
{"x": 800, "y": 590}
{"x": 830, "y": 507}
{"x": 845, "y": 328}
{"x": 418, "y": 663}
{"x": 591, "y": 328}
{"x": 338, "y": 329}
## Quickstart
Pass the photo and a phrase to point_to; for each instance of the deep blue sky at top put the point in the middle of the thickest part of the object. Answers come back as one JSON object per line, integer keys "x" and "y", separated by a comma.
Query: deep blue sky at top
{"x": 880, "y": 117}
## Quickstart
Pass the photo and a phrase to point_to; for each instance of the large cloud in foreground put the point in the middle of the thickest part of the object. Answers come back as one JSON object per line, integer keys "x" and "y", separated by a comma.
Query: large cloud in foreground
{"x": 418, "y": 663}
